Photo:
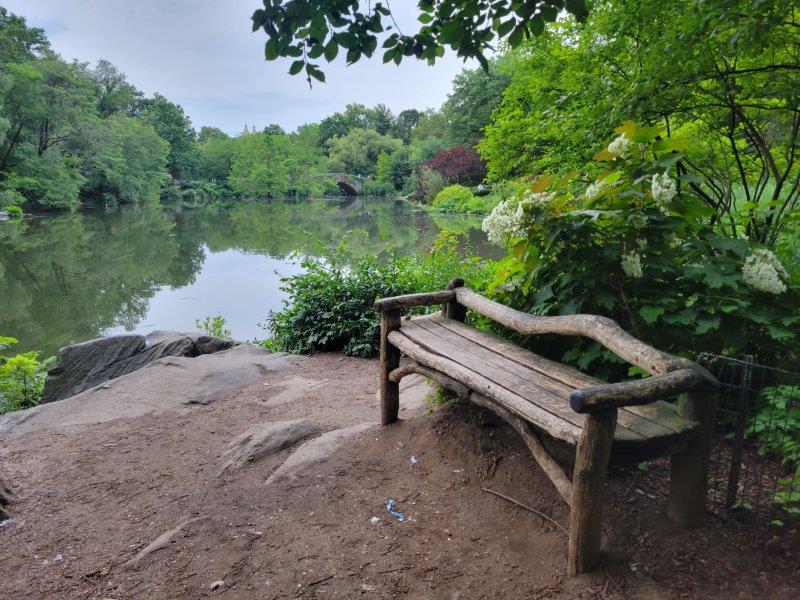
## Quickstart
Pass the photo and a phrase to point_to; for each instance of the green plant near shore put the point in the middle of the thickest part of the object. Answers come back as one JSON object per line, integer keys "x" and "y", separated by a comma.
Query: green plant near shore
{"x": 21, "y": 378}
{"x": 214, "y": 325}
{"x": 330, "y": 304}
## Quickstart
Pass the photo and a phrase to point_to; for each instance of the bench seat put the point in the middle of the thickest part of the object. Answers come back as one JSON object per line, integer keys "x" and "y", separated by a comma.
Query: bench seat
{"x": 537, "y": 389}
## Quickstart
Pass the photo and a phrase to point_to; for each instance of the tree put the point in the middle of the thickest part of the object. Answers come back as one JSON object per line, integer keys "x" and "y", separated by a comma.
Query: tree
{"x": 18, "y": 42}
{"x": 217, "y": 154}
{"x": 114, "y": 93}
{"x": 309, "y": 29}
{"x": 339, "y": 124}
{"x": 468, "y": 109}
{"x": 257, "y": 169}
{"x": 405, "y": 122}
{"x": 357, "y": 152}
{"x": 126, "y": 159}
{"x": 274, "y": 129}
{"x": 172, "y": 124}
{"x": 207, "y": 133}
{"x": 458, "y": 165}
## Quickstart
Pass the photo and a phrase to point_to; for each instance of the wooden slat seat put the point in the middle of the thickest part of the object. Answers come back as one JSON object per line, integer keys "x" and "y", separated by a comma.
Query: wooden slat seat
{"x": 541, "y": 387}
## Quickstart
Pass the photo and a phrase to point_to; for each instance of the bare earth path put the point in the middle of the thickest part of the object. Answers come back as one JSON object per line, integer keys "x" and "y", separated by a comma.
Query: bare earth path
{"x": 139, "y": 507}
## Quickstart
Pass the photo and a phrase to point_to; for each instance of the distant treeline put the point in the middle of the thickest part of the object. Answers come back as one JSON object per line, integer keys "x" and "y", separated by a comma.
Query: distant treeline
{"x": 73, "y": 132}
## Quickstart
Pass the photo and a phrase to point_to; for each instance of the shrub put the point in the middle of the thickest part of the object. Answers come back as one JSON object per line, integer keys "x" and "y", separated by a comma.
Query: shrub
{"x": 636, "y": 246}
{"x": 776, "y": 429}
{"x": 458, "y": 199}
{"x": 214, "y": 325}
{"x": 21, "y": 378}
{"x": 372, "y": 187}
{"x": 429, "y": 184}
{"x": 330, "y": 304}
{"x": 14, "y": 211}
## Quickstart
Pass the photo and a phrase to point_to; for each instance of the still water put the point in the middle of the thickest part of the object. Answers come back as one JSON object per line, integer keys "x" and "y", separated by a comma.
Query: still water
{"x": 66, "y": 278}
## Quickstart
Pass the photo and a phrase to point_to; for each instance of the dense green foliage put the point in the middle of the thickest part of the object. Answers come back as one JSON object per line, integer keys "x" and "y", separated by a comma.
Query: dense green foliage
{"x": 310, "y": 29}
{"x": 67, "y": 131}
{"x": 776, "y": 429}
{"x": 637, "y": 245}
{"x": 21, "y": 378}
{"x": 330, "y": 305}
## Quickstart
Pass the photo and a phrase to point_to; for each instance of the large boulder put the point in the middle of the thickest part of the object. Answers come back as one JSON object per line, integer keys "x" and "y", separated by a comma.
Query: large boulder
{"x": 173, "y": 384}
{"x": 85, "y": 365}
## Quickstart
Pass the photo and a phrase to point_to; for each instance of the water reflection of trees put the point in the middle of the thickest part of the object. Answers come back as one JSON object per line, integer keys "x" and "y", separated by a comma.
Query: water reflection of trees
{"x": 69, "y": 277}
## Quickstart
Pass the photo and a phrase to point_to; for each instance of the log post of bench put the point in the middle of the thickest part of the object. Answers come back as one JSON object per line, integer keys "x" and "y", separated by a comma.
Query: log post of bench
{"x": 688, "y": 481}
{"x": 453, "y": 309}
{"x": 588, "y": 480}
{"x": 391, "y": 310}
{"x": 390, "y": 360}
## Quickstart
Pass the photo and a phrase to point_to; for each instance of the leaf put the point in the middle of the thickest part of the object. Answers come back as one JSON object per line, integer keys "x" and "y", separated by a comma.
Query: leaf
{"x": 296, "y": 67}
{"x": 650, "y": 314}
{"x": 331, "y": 50}
{"x": 604, "y": 155}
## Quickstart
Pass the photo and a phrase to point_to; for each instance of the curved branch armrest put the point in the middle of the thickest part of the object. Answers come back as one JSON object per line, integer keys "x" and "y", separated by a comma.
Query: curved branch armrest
{"x": 638, "y": 392}
{"x": 601, "y": 329}
{"x": 411, "y": 300}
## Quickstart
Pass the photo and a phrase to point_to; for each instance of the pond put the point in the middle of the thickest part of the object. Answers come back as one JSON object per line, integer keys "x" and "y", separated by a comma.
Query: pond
{"x": 66, "y": 278}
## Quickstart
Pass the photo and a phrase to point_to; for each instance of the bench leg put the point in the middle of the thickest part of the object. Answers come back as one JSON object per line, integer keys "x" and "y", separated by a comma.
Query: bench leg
{"x": 588, "y": 481}
{"x": 390, "y": 360}
{"x": 688, "y": 483}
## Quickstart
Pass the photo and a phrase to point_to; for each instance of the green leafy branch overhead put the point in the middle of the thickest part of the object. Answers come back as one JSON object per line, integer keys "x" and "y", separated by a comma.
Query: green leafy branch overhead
{"x": 307, "y": 30}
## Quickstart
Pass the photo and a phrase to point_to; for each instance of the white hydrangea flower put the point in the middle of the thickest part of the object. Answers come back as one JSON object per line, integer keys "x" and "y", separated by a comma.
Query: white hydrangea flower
{"x": 510, "y": 217}
{"x": 503, "y": 221}
{"x": 594, "y": 188}
{"x": 664, "y": 189}
{"x": 621, "y": 146}
{"x": 763, "y": 271}
{"x": 631, "y": 264}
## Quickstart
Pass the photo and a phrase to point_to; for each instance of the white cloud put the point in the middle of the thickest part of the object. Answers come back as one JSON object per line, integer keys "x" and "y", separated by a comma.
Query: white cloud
{"x": 202, "y": 54}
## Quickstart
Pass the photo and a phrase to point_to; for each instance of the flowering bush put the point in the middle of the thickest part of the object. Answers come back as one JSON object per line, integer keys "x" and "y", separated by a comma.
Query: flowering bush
{"x": 635, "y": 246}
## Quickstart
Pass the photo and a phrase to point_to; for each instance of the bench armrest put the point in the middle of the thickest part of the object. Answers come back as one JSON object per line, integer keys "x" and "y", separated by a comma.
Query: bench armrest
{"x": 640, "y": 391}
{"x": 411, "y": 300}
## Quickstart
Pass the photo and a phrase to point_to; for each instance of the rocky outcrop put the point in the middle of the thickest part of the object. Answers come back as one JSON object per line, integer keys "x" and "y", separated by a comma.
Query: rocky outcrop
{"x": 265, "y": 440}
{"x": 170, "y": 384}
{"x": 85, "y": 365}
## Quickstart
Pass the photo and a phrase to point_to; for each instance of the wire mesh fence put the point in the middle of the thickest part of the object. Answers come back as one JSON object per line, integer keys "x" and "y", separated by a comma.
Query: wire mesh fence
{"x": 754, "y": 461}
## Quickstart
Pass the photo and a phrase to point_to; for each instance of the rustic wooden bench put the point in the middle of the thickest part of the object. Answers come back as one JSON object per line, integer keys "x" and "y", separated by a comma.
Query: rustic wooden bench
{"x": 539, "y": 396}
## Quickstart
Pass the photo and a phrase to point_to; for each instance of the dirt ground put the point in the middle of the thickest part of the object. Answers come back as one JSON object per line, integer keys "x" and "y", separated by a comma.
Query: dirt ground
{"x": 91, "y": 497}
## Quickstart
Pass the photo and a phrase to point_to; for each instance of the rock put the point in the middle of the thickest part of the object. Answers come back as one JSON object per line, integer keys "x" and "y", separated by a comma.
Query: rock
{"x": 171, "y": 384}
{"x": 4, "y": 216}
{"x": 80, "y": 366}
{"x": 266, "y": 439}
{"x": 294, "y": 389}
{"x": 216, "y": 585}
{"x": 315, "y": 451}
{"x": 85, "y": 365}
{"x": 162, "y": 541}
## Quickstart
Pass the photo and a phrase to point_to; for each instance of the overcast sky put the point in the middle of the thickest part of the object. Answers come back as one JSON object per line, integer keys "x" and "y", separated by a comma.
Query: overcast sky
{"x": 202, "y": 54}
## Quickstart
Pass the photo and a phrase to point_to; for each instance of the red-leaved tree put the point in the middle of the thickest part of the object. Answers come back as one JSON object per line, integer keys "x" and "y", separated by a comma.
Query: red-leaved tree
{"x": 458, "y": 165}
